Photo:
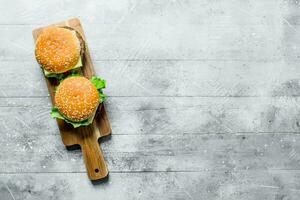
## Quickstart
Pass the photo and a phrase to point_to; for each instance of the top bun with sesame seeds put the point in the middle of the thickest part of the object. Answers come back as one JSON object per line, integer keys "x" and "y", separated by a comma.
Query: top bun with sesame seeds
{"x": 76, "y": 98}
{"x": 59, "y": 49}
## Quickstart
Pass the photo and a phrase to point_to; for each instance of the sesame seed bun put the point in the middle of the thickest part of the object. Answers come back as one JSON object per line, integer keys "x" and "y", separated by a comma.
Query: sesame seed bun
{"x": 76, "y": 98}
{"x": 58, "y": 49}
{"x": 80, "y": 38}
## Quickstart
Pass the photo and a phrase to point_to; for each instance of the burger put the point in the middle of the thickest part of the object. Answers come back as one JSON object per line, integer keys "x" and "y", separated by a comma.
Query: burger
{"x": 76, "y": 100}
{"x": 59, "y": 50}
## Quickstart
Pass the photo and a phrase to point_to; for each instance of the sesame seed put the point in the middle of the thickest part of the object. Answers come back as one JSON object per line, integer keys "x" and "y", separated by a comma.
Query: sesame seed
{"x": 76, "y": 98}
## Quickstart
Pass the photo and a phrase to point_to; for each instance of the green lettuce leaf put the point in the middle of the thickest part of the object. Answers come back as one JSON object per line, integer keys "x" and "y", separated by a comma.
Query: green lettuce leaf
{"x": 99, "y": 84}
{"x": 56, "y": 114}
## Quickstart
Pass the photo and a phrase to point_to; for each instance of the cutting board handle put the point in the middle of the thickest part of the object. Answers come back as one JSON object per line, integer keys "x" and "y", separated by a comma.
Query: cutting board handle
{"x": 93, "y": 158}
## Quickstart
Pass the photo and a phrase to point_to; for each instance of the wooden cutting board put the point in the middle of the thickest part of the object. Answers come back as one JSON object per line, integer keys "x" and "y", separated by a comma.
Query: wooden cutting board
{"x": 87, "y": 136}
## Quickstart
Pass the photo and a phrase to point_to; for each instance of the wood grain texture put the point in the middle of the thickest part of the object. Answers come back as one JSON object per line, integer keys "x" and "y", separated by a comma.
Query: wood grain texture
{"x": 87, "y": 136}
{"x": 221, "y": 184}
{"x": 217, "y": 39}
{"x": 182, "y": 115}
{"x": 149, "y": 12}
{"x": 212, "y": 140}
{"x": 203, "y": 98}
{"x": 156, "y": 153}
{"x": 169, "y": 78}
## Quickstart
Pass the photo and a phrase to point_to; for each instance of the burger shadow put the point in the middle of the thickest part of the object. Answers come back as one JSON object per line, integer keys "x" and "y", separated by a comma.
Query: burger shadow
{"x": 103, "y": 181}
{"x": 104, "y": 138}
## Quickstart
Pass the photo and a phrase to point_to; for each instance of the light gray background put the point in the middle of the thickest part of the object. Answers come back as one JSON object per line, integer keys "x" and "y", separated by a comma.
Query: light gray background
{"x": 203, "y": 99}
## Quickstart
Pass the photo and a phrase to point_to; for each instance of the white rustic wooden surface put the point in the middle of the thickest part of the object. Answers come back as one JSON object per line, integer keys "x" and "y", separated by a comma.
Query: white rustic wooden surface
{"x": 203, "y": 99}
